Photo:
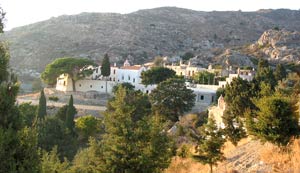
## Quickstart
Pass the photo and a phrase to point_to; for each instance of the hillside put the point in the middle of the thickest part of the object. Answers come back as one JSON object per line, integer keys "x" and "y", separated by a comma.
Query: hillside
{"x": 141, "y": 35}
{"x": 277, "y": 46}
{"x": 249, "y": 156}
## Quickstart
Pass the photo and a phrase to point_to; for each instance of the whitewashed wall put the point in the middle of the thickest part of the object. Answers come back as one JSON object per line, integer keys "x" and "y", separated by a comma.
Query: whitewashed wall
{"x": 94, "y": 85}
{"x": 64, "y": 83}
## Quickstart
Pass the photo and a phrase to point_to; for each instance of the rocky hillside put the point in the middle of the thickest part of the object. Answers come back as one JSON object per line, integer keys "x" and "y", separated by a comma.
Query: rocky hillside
{"x": 141, "y": 35}
{"x": 278, "y": 46}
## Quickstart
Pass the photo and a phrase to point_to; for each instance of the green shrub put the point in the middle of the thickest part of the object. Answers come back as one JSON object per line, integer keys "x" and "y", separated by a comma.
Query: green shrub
{"x": 53, "y": 98}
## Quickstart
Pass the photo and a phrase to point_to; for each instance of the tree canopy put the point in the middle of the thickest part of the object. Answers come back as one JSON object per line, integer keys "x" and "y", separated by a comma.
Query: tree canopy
{"x": 41, "y": 111}
{"x": 172, "y": 98}
{"x": 238, "y": 99}
{"x": 280, "y": 72}
{"x": 70, "y": 115}
{"x": 276, "y": 121}
{"x": 209, "y": 147}
{"x": 204, "y": 77}
{"x": 74, "y": 67}
{"x": 105, "y": 69}
{"x": 188, "y": 55}
{"x": 18, "y": 144}
{"x": 131, "y": 143}
{"x": 2, "y": 15}
{"x": 156, "y": 75}
{"x": 105, "y": 66}
{"x": 88, "y": 126}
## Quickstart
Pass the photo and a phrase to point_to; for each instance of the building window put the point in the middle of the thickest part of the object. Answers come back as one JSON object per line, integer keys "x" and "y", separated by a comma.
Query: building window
{"x": 129, "y": 78}
{"x": 91, "y": 86}
{"x": 122, "y": 77}
{"x": 114, "y": 71}
{"x": 114, "y": 79}
{"x": 133, "y": 80}
{"x": 96, "y": 70}
{"x": 101, "y": 86}
{"x": 201, "y": 97}
{"x": 79, "y": 85}
{"x": 64, "y": 83}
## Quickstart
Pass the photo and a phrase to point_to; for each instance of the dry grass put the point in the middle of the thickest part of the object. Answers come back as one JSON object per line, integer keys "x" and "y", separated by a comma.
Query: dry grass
{"x": 263, "y": 158}
{"x": 228, "y": 146}
{"x": 283, "y": 161}
{"x": 186, "y": 165}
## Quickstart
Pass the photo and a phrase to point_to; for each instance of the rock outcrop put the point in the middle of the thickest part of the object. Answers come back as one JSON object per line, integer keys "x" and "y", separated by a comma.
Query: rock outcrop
{"x": 278, "y": 45}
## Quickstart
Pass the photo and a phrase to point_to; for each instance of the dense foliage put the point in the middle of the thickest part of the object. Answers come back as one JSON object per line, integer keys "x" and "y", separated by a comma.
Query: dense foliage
{"x": 275, "y": 120}
{"x": 209, "y": 147}
{"x": 204, "y": 78}
{"x": 134, "y": 143}
{"x": 105, "y": 66}
{"x": 70, "y": 115}
{"x": 238, "y": 99}
{"x": 105, "y": 69}
{"x": 88, "y": 126}
{"x": 156, "y": 75}
{"x": 18, "y": 144}
{"x": 172, "y": 98}
{"x": 42, "y": 108}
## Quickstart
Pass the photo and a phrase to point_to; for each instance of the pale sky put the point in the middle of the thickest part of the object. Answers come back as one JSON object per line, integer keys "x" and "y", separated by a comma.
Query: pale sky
{"x": 23, "y": 12}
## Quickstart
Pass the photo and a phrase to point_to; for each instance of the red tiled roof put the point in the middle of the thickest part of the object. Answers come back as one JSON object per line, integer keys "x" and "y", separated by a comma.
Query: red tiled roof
{"x": 131, "y": 67}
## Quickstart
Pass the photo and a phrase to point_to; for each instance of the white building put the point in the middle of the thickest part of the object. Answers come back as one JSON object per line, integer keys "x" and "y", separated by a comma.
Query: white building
{"x": 205, "y": 94}
{"x": 96, "y": 82}
{"x": 186, "y": 70}
{"x": 130, "y": 74}
{"x": 244, "y": 74}
{"x": 204, "y": 98}
{"x": 113, "y": 73}
{"x": 216, "y": 112}
{"x": 64, "y": 83}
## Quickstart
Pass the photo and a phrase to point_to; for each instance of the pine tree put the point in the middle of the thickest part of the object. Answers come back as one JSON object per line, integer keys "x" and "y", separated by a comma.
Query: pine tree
{"x": 280, "y": 72}
{"x": 276, "y": 120}
{"x": 238, "y": 99}
{"x": 50, "y": 162}
{"x": 105, "y": 69}
{"x": 134, "y": 143}
{"x": 172, "y": 98}
{"x": 71, "y": 112}
{"x": 42, "y": 108}
{"x": 209, "y": 148}
{"x": 18, "y": 147}
{"x": 265, "y": 73}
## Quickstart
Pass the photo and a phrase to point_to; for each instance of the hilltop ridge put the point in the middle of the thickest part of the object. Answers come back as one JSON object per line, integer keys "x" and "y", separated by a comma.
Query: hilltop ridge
{"x": 141, "y": 35}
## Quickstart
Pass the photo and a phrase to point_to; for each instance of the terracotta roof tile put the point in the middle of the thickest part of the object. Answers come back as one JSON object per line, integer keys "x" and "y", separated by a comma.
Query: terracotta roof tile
{"x": 131, "y": 67}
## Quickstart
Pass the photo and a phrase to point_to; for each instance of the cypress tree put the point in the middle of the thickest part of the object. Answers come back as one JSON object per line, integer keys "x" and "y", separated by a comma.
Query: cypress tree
{"x": 71, "y": 111}
{"x": 105, "y": 69}
{"x": 42, "y": 108}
